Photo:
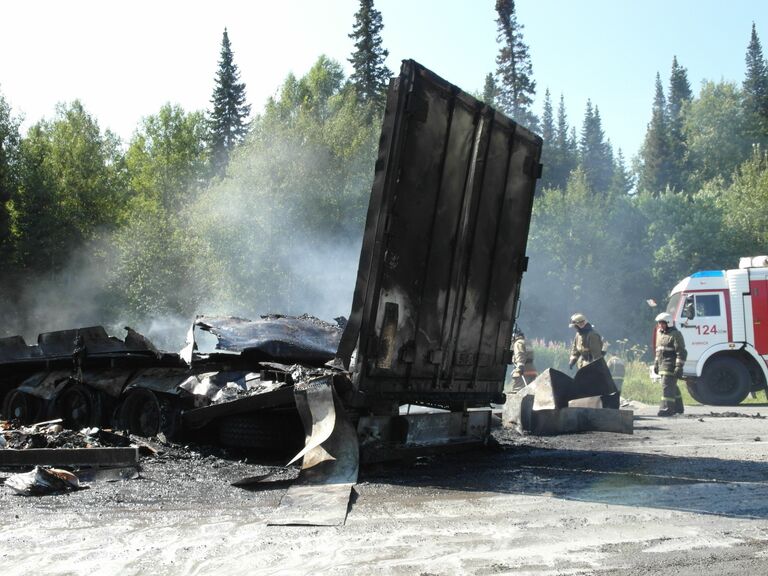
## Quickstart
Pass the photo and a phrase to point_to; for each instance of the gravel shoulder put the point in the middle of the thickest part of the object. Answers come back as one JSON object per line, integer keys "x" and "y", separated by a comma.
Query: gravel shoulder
{"x": 678, "y": 496}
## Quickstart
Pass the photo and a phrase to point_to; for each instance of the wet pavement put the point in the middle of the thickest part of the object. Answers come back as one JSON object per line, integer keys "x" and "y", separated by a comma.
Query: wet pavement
{"x": 679, "y": 496}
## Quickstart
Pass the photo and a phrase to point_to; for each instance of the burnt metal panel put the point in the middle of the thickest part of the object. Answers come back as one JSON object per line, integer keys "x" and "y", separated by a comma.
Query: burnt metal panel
{"x": 275, "y": 337}
{"x": 444, "y": 246}
{"x": 15, "y": 348}
{"x": 94, "y": 338}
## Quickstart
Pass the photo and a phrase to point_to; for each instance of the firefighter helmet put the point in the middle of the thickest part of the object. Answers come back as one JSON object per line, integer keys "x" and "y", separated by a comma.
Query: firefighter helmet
{"x": 577, "y": 320}
{"x": 664, "y": 317}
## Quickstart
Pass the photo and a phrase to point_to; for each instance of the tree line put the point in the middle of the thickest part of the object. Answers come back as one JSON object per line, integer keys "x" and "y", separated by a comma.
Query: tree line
{"x": 222, "y": 211}
{"x": 606, "y": 238}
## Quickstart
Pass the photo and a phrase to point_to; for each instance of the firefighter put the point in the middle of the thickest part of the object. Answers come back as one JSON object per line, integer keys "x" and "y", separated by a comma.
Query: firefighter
{"x": 670, "y": 358}
{"x": 587, "y": 344}
{"x": 522, "y": 360}
{"x": 616, "y": 367}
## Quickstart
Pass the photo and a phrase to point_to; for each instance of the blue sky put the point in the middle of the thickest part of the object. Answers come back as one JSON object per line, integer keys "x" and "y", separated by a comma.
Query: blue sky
{"x": 124, "y": 60}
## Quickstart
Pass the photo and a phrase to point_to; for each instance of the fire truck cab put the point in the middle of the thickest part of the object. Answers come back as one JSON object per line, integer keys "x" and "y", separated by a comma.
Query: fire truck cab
{"x": 723, "y": 316}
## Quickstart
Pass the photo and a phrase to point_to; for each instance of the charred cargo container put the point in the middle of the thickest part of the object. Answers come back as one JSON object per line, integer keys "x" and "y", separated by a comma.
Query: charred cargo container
{"x": 430, "y": 327}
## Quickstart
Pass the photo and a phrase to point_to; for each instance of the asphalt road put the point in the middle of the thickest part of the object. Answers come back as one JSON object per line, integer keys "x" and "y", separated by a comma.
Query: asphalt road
{"x": 684, "y": 496}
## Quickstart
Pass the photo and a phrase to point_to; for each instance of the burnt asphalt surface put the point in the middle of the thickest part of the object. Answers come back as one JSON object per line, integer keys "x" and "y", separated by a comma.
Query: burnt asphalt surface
{"x": 680, "y": 496}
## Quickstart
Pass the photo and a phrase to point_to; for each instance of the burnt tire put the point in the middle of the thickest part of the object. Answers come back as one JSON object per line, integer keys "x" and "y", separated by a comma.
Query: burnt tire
{"x": 144, "y": 413}
{"x": 724, "y": 382}
{"x": 80, "y": 407}
{"x": 22, "y": 407}
{"x": 276, "y": 432}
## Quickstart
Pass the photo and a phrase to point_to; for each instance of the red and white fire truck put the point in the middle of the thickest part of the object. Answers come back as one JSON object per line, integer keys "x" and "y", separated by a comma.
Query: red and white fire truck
{"x": 723, "y": 315}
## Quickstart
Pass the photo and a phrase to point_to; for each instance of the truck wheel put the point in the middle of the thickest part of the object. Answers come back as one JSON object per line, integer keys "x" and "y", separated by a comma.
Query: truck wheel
{"x": 693, "y": 390}
{"x": 724, "y": 382}
{"x": 143, "y": 413}
{"x": 79, "y": 406}
{"x": 21, "y": 407}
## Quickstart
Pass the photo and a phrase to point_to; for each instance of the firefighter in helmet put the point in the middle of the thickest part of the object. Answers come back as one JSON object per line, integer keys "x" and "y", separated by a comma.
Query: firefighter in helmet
{"x": 587, "y": 344}
{"x": 522, "y": 360}
{"x": 670, "y": 358}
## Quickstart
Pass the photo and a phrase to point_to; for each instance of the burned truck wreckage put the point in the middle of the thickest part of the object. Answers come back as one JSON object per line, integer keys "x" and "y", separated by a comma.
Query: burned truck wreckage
{"x": 437, "y": 287}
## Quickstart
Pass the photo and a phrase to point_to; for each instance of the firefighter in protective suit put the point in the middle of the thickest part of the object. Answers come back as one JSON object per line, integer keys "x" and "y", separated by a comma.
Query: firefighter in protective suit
{"x": 587, "y": 344}
{"x": 670, "y": 358}
{"x": 522, "y": 359}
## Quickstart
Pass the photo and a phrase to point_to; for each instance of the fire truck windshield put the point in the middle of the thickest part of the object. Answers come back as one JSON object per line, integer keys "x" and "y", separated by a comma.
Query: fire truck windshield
{"x": 674, "y": 300}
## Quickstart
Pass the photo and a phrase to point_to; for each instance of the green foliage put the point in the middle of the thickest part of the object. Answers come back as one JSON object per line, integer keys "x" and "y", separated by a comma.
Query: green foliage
{"x": 514, "y": 71}
{"x": 167, "y": 160}
{"x": 9, "y": 177}
{"x": 370, "y": 75}
{"x": 549, "y": 354}
{"x": 595, "y": 153}
{"x": 227, "y": 120}
{"x": 715, "y": 130}
{"x": 680, "y": 97}
{"x": 656, "y": 171}
{"x": 157, "y": 261}
{"x": 490, "y": 91}
{"x": 298, "y": 186}
{"x": 561, "y": 153}
{"x": 744, "y": 204}
{"x": 755, "y": 89}
{"x": 72, "y": 186}
{"x": 160, "y": 268}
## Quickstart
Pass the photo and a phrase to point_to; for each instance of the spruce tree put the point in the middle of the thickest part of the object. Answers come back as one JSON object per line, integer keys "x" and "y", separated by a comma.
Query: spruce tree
{"x": 596, "y": 153}
{"x": 564, "y": 157}
{"x": 370, "y": 76}
{"x": 654, "y": 155}
{"x": 622, "y": 182}
{"x": 680, "y": 96}
{"x": 756, "y": 90}
{"x": 514, "y": 71}
{"x": 549, "y": 151}
{"x": 227, "y": 121}
{"x": 490, "y": 90}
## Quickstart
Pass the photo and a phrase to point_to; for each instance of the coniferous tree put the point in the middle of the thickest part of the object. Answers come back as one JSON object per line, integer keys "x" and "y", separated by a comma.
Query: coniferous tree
{"x": 514, "y": 69}
{"x": 227, "y": 121}
{"x": 596, "y": 154}
{"x": 623, "y": 181}
{"x": 490, "y": 90}
{"x": 680, "y": 96}
{"x": 547, "y": 119}
{"x": 755, "y": 88}
{"x": 564, "y": 157}
{"x": 549, "y": 152}
{"x": 655, "y": 156}
{"x": 370, "y": 75}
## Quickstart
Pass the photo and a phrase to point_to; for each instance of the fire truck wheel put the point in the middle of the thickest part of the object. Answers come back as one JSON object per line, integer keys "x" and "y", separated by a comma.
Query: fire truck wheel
{"x": 21, "y": 407}
{"x": 724, "y": 382}
{"x": 79, "y": 406}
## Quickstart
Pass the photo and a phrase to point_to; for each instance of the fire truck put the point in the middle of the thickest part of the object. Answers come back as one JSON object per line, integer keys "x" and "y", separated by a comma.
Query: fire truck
{"x": 723, "y": 315}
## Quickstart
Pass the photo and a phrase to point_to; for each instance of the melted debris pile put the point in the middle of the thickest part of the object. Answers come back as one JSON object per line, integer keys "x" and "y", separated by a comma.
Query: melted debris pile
{"x": 53, "y": 435}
